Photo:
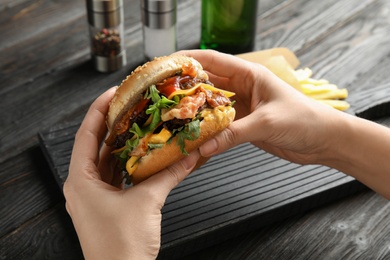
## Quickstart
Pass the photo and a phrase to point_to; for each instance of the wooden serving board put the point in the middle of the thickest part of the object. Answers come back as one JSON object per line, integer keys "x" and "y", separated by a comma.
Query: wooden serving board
{"x": 237, "y": 191}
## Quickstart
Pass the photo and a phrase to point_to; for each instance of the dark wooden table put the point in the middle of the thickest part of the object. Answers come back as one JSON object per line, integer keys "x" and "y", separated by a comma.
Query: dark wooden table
{"x": 47, "y": 79}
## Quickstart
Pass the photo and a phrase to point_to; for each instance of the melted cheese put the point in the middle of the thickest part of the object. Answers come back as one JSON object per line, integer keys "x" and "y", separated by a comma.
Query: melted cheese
{"x": 160, "y": 138}
{"x": 191, "y": 91}
{"x": 131, "y": 164}
{"x": 216, "y": 114}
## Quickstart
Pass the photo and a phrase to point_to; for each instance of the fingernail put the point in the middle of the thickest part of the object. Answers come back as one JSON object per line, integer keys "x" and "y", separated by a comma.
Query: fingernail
{"x": 209, "y": 148}
{"x": 190, "y": 161}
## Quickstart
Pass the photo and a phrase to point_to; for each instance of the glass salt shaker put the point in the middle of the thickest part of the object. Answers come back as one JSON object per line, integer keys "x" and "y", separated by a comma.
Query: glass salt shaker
{"x": 105, "y": 18}
{"x": 159, "y": 27}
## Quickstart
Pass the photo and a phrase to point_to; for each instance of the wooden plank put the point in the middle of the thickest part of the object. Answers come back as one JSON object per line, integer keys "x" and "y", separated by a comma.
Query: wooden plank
{"x": 47, "y": 15}
{"x": 49, "y": 235}
{"x": 294, "y": 24}
{"x": 27, "y": 187}
{"x": 62, "y": 136}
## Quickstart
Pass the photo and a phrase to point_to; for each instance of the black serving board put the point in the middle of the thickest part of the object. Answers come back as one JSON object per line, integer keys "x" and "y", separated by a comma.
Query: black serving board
{"x": 237, "y": 191}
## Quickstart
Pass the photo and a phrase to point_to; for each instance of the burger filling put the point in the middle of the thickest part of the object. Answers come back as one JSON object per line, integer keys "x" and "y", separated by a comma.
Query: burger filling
{"x": 168, "y": 109}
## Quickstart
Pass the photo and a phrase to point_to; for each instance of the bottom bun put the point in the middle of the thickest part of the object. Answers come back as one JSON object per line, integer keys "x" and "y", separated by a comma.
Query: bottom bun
{"x": 214, "y": 121}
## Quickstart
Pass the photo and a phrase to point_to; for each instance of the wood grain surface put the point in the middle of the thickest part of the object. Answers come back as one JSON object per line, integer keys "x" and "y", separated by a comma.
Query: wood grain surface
{"x": 47, "y": 79}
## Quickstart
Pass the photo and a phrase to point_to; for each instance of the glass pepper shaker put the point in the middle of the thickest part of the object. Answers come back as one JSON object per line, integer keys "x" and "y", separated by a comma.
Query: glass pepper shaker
{"x": 105, "y": 18}
{"x": 159, "y": 27}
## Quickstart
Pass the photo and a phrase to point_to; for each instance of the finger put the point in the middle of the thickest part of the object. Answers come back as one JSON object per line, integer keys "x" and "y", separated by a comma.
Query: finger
{"x": 106, "y": 164}
{"x": 164, "y": 181}
{"x": 91, "y": 133}
{"x": 238, "y": 132}
{"x": 108, "y": 169}
{"x": 218, "y": 63}
{"x": 229, "y": 72}
{"x": 215, "y": 62}
{"x": 201, "y": 55}
{"x": 219, "y": 82}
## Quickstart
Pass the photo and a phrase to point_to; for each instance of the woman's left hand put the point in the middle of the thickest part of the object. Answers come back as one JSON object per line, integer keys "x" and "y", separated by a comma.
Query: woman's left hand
{"x": 112, "y": 222}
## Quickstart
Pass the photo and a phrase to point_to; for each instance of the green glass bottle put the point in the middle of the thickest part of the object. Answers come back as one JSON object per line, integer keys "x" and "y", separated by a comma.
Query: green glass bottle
{"x": 228, "y": 25}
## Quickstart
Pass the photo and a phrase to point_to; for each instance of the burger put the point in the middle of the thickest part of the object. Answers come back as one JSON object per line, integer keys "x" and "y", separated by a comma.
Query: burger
{"x": 161, "y": 112}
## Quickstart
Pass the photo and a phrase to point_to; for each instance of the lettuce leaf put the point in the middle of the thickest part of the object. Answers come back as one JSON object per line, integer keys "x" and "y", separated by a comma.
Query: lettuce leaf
{"x": 159, "y": 102}
{"x": 190, "y": 131}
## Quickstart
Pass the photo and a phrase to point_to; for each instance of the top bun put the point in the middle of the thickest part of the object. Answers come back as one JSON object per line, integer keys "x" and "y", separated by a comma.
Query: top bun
{"x": 131, "y": 89}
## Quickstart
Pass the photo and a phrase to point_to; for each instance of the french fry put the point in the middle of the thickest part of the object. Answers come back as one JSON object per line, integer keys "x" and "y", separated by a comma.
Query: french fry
{"x": 321, "y": 90}
{"x": 283, "y": 63}
{"x": 303, "y": 74}
{"x": 313, "y": 89}
{"x": 331, "y": 94}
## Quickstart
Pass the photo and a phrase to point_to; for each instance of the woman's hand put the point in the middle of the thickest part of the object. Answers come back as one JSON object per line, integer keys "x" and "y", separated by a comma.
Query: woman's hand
{"x": 281, "y": 120}
{"x": 113, "y": 223}
{"x": 270, "y": 113}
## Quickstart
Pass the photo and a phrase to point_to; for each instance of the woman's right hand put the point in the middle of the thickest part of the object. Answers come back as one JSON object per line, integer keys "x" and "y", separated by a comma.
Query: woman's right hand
{"x": 270, "y": 113}
{"x": 281, "y": 120}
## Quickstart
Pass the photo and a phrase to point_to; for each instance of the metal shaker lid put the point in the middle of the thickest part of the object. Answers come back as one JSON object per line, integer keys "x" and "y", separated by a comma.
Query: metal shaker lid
{"x": 104, "y": 5}
{"x": 158, "y": 6}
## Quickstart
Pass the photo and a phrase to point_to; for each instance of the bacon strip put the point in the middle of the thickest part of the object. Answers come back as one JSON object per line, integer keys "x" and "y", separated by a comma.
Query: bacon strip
{"x": 187, "y": 107}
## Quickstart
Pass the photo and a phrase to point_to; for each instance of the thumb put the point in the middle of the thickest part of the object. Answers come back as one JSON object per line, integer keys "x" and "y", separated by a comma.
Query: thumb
{"x": 236, "y": 133}
{"x": 164, "y": 181}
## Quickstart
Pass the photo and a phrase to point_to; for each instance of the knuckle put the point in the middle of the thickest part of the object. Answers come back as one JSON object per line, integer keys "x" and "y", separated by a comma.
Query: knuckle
{"x": 230, "y": 136}
{"x": 173, "y": 172}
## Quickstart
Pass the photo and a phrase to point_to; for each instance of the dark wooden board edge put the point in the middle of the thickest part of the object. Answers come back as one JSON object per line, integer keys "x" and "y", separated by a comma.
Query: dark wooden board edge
{"x": 60, "y": 171}
{"x": 372, "y": 103}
